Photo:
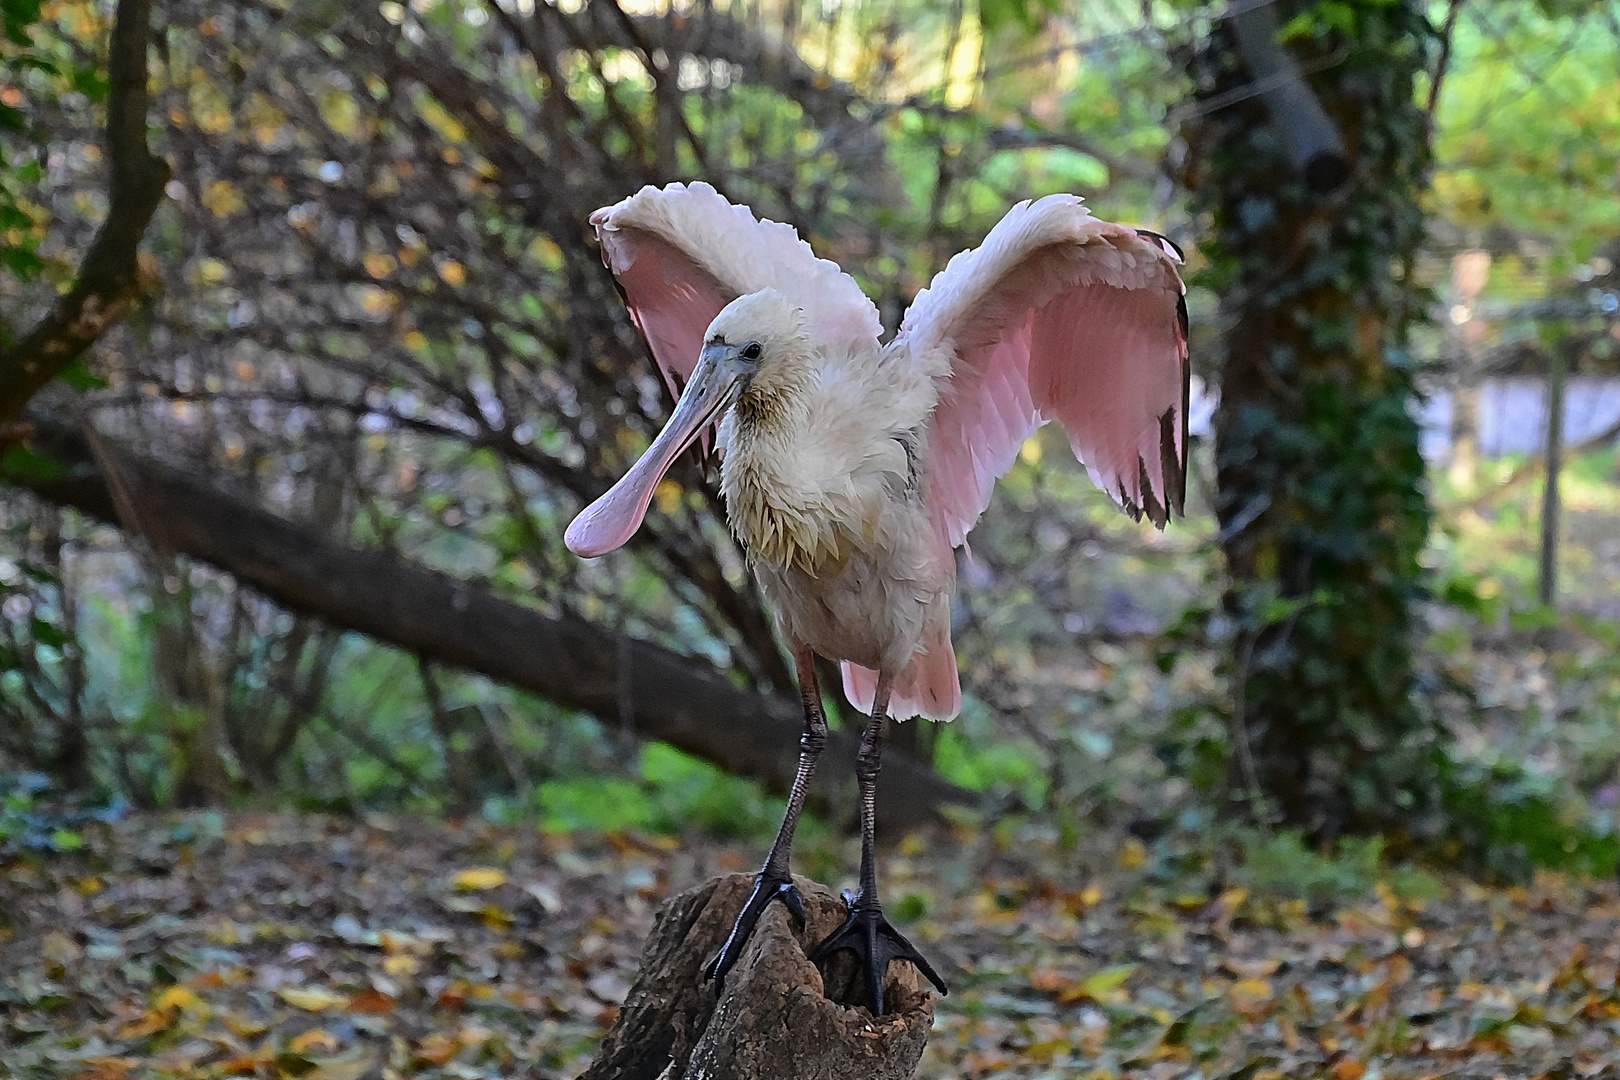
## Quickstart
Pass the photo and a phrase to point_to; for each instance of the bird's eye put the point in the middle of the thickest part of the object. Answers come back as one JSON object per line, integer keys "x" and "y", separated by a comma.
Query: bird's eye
{"x": 751, "y": 351}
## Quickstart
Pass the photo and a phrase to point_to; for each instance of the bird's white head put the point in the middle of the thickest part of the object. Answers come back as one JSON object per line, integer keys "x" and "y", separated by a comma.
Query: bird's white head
{"x": 756, "y": 346}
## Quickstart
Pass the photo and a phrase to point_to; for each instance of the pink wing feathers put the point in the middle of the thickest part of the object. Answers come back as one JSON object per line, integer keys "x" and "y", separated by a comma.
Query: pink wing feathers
{"x": 683, "y": 252}
{"x": 1056, "y": 316}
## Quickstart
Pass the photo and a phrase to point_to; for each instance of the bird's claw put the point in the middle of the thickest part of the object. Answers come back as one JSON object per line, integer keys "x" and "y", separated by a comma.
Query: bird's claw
{"x": 869, "y": 935}
{"x": 768, "y": 886}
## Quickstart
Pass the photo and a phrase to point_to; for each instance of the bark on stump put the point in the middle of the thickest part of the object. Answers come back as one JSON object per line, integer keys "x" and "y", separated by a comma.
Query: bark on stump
{"x": 777, "y": 1018}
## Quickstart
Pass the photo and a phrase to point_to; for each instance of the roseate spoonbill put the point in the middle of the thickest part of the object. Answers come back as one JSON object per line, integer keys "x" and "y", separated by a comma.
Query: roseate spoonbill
{"x": 852, "y": 467}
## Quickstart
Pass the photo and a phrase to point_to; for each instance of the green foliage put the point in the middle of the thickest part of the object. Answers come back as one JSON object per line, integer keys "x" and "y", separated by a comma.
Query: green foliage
{"x": 672, "y": 792}
{"x": 601, "y": 804}
{"x": 970, "y": 758}
{"x": 37, "y": 818}
{"x": 19, "y": 256}
{"x": 25, "y": 463}
{"x": 1507, "y": 821}
{"x": 1026, "y": 15}
{"x": 1282, "y": 864}
{"x": 687, "y": 792}
{"x": 1528, "y": 127}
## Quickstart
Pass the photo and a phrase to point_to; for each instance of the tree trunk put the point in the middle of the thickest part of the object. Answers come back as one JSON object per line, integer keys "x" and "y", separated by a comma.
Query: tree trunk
{"x": 108, "y": 280}
{"x": 1319, "y": 474}
{"x": 190, "y": 690}
{"x": 1547, "y": 579}
{"x": 71, "y": 759}
{"x": 777, "y": 1017}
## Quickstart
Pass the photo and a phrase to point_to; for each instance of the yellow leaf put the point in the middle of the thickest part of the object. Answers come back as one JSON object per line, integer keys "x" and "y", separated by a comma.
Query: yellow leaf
{"x": 314, "y": 1039}
{"x": 1230, "y": 902}
{"x": 1103, "y": 987}
{"x": 222, "y": 198}
{"x": 209, "y": 271}
{"x": 544, "y": 250}
{"x": 496, "y": 918}
{"x": 313, "y": 998}
{"x": 340, "y": 112}
{"x": 178, "y": 997}
{"x": 1251, "y": 996}
{"x": 375, "y": 301}
{"x": 152, "y": 1022}
{"x": 478, "y": 877}
{"x": 668, "y": 494}
{"x": 1078, "y": 903}
{"x": 378, "y": 264}
{"x": 415, "y": 340}
{"x": 400, "y": 965}
{"x": 80, "y": 21}
{"x": 452, "y": 272}
{"x": 1133, "y": 854}
{"x": 1108, "y": 979}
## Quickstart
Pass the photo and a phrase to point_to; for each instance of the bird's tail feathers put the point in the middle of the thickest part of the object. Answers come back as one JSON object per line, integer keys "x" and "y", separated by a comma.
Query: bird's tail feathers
{"x": 928, "y": 686}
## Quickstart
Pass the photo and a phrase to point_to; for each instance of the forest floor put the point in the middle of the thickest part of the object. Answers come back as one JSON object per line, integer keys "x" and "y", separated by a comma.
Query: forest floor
{"x": 318, "y": 948}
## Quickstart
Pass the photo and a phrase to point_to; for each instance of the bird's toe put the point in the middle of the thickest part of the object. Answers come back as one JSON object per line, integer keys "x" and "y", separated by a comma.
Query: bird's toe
{"x": 868, "y": 934}
{"x": 768, "y": 886}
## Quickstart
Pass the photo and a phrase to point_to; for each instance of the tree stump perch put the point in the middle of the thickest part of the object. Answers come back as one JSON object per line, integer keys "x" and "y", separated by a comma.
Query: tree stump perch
{"x": 778, "y": 1016}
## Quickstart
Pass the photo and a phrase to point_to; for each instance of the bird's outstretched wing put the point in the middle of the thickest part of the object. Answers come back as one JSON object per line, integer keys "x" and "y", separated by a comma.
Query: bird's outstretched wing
{"x": 683, "y": 252}
{"x": 1056, "y": 316}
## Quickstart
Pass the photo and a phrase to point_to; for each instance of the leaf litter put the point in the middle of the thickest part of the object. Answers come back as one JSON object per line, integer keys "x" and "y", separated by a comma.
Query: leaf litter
{"x": 314, "y": 948}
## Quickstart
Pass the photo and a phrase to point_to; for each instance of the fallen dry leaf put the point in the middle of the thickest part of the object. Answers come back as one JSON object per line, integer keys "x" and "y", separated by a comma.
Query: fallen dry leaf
{"x": 478, "y": 878}
{"x": 312, "y": 998}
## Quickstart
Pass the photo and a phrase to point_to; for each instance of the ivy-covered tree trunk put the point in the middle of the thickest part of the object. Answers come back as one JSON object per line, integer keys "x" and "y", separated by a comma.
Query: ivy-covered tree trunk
{"x": 1320, "y": 481}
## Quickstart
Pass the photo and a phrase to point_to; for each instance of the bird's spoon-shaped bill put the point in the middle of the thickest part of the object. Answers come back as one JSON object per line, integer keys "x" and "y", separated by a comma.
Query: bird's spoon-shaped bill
{"x": 610, "y": 521}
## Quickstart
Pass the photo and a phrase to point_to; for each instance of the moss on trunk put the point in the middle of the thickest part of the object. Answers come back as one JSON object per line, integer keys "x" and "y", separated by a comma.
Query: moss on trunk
{"x": 1320, "y": 480}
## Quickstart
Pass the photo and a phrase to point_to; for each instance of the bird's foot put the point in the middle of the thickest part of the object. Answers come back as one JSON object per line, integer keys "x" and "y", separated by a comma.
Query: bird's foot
{"x": 768, "y": 886}
{"x": 868, "y": 934}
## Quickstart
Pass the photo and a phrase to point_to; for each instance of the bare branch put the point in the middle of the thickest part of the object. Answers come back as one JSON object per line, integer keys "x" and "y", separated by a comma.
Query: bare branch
{"x": 108, "y": 279}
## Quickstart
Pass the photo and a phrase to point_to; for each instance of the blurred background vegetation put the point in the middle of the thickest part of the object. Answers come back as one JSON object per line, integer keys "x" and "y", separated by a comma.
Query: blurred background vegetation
{"x": 368, "y": 336}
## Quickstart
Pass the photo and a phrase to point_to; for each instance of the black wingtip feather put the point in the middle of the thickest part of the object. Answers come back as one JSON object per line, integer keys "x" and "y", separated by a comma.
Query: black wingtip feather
{"x": 1149, "y": 234}
{"x": 1155, "y": 510}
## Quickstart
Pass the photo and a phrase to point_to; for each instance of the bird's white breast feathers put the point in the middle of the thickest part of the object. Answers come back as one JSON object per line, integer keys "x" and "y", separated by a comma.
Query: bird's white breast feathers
{"x": 825, "y": 471}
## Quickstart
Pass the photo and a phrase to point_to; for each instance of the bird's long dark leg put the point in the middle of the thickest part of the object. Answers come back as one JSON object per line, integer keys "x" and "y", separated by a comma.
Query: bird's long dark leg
{"x": 866, "y": 931}
{"x": 775, "y": 880}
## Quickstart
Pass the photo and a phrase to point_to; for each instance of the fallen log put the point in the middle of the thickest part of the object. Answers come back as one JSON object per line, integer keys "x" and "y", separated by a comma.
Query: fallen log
{"x": 777, "y": 1017}
{"x": 679, "y": 699}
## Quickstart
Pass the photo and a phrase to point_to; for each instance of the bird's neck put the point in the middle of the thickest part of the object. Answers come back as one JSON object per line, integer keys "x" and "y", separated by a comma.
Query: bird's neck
{"x": 773, "y": 511}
